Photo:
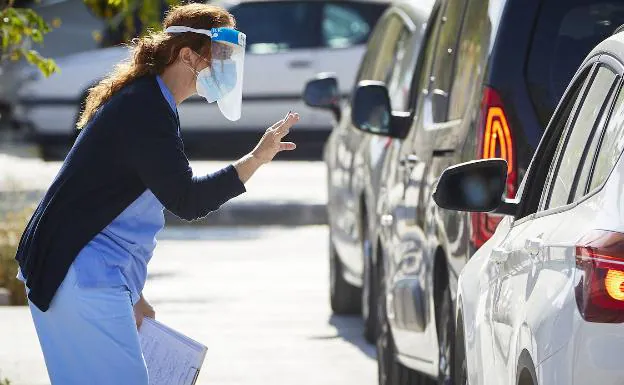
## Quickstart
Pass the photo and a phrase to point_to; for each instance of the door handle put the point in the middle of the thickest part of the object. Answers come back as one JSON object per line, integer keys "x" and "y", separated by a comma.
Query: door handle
{"x": 440, "y": 153}
{"x": 409, "y": 160}
{"x": 440, "y": 92}
{"x": 500, "y": 255}
{"x": 386, "y": 220}
{"x": 533, "y": 246}
{"x": 300, "y": 64}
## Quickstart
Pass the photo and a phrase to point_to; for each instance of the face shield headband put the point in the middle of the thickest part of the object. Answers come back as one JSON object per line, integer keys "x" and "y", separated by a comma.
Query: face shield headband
{"x": 222, "y": 80}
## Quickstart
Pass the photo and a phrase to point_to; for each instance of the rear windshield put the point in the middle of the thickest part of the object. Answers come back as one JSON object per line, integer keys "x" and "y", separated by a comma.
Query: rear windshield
{"x": 565, "y": 33}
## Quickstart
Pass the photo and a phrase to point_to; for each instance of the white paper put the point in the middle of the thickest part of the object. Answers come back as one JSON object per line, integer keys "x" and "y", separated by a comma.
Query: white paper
{"x": 172, "y": 358}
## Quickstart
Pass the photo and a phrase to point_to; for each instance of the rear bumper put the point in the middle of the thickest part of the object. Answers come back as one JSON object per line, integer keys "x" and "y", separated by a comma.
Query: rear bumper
{"x": 592, "y": 356}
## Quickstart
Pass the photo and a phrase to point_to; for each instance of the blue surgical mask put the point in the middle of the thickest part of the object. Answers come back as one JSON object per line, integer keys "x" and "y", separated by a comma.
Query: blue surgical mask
{"x": 216, "y": 80}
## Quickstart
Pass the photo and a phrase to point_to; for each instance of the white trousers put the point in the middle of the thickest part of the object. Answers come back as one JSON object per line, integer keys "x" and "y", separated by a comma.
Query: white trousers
{"x": 89, "y": 336}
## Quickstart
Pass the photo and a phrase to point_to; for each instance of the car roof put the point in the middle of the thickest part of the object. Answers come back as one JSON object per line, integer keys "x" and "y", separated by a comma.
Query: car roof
{"x": 613, "y": 45}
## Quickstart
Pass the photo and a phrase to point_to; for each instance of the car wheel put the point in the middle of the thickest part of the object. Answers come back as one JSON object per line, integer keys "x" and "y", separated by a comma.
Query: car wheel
{"x": 462, "y": 375}
{"x": 344, "y": 297}
{"x": 53, "y": 152}
{"x": 446, "y": 339}
{"x": 390, "y": 370}
{"x": 370, "y": 292}
{"x": 460, "y": 366}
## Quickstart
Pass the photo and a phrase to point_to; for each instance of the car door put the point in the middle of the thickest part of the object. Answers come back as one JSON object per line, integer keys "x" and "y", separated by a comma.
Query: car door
{"x": 283, "y": 46}
{"x": 383, "y": 58}
{"x": 412, "y": 241}
{"x": 533, "y": 272}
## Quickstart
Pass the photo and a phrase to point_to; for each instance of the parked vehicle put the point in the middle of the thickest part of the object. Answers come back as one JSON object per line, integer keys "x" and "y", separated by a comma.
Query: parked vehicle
{"x": 287, "y": 43}
{"x": 542, "y": 302}
{"x": 354, "y": 158}
{"x": 493, "y": 74}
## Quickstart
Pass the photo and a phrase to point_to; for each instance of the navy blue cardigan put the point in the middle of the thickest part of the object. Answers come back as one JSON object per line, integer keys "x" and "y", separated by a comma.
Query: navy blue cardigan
{"x": 130, "y": 145}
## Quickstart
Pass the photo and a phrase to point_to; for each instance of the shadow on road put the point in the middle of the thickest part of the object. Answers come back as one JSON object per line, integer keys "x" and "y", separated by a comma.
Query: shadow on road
{"x": 351, "y": 329}
{"x": 201, "y": 233}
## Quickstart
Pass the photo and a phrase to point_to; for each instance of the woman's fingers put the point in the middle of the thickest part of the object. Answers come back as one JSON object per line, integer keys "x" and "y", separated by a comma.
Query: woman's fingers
{"x": 284, "y": 129}
{"x": 286, "y": 123}
{"x": 138, "y": 318}
{"x": 287, "y": 146}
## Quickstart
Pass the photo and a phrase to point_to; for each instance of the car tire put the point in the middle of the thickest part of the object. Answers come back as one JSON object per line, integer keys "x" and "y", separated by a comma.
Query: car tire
{"x": 446, "y": 338}
{"x": 370, "y": 291}
{"x": 460, "y": 365}
{"x": 390, "y": 370}
{"x": 53, "y": 152}
{"x": 344, "y": 297}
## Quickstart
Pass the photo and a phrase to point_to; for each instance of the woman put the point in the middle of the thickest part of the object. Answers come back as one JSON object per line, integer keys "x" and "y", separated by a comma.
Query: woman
{"x": 84, "y": 253}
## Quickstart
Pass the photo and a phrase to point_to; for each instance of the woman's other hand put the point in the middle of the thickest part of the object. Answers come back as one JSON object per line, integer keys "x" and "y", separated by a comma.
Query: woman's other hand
{"x": 143, "y": 309}
{"x": 271, "y": 142}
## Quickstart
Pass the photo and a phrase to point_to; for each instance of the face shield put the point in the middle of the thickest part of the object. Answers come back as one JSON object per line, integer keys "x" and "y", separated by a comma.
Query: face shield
{"x": 227, "y": 64}
{"x": 222, "y": 80}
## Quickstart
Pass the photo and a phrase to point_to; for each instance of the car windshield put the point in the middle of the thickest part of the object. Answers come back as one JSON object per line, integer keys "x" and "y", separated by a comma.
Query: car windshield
{"x": 565, "y": 33}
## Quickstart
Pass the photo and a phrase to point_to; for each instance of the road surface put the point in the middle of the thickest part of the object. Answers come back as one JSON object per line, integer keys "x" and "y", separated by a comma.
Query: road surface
{"x": 257, "y": 297}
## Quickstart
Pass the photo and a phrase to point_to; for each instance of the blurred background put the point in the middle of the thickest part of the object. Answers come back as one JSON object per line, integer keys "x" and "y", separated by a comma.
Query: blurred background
{"x": 287, "y": 40}
{"x": 292, "y": 279}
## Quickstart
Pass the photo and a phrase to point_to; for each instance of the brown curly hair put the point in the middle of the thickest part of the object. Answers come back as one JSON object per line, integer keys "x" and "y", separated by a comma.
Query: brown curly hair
{"x": 151, "y": 54}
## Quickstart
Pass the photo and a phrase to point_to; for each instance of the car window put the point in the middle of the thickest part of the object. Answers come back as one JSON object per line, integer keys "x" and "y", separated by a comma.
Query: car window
{"x": 401, "y": 72}
{"x": 471, "y": 51}
{"x": 345, "y": 24}
{"x": 571, "y": 150}
{"x": 593, "y": 155}
{"x": 445, "y": 54}
{"x": 539, "y": 172}
{"x": 273, "y": 27}
{"x": 611, "y": 144}
{"x": 384, "y": 51}
{"x": 422, "y": 68}
{"x": 374, "y": 42}
{"x": 565, "y": 33}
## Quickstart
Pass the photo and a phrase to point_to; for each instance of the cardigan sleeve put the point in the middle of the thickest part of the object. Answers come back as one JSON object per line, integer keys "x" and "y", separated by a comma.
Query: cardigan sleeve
{"x": 156, "y": 152}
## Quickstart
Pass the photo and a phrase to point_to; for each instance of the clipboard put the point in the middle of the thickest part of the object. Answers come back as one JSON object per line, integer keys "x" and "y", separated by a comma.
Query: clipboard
{"x": 171, "y": 357}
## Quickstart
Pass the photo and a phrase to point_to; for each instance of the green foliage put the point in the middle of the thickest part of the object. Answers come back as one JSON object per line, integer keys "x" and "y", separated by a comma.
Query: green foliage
{"x": 12, "y": 226}
{"x": 19, "y": 29}
{"x": 123, "y": 14}
{"x": 5, "y": 382}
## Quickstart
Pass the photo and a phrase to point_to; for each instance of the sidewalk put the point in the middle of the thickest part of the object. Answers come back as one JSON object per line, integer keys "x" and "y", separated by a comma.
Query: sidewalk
{"x": 284, "y": 193}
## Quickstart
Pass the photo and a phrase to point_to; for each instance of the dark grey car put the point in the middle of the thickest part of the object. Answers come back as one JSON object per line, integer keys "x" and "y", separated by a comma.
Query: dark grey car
{"x": 354, "y": 159}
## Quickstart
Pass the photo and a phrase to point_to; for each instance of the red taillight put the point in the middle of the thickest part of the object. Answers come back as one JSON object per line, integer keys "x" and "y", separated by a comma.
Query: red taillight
{"x": 494, "y": 141}
{"x": 600, "y": 289}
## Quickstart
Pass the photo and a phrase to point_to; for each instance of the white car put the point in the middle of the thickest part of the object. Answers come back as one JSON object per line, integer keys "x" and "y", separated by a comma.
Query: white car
{"x": 288, "y": 42}
{"x": 542, "y": 302}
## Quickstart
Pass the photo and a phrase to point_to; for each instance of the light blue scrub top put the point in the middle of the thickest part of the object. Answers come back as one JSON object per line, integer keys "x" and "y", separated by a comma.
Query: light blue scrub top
{"x": 119, "y": 254}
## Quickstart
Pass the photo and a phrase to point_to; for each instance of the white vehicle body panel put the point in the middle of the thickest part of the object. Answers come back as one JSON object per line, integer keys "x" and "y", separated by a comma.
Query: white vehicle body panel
{"x": 527, "y": 303}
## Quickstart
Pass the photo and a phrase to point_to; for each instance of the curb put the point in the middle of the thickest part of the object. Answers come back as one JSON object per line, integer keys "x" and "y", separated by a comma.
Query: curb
{"x": 260, "y": 213}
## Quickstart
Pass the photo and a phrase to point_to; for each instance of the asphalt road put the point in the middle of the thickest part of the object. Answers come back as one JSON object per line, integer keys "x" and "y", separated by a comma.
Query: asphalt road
{"x": 257, "y": 297}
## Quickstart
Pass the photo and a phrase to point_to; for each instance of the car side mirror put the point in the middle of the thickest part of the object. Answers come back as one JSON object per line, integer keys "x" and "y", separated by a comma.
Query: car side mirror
{"x": 476, "y": 186}
{"x": 371, "y": 111}
{"x": 322, "y": 92}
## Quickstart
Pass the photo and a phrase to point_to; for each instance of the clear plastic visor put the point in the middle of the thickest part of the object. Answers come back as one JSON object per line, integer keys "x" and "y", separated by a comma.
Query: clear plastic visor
{"x": 227, "y": 65}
